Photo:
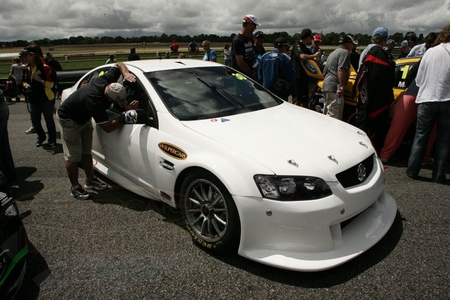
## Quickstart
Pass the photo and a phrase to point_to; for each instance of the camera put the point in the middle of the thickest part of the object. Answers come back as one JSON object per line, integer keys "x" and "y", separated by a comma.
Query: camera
{"x": 27, "y": 90}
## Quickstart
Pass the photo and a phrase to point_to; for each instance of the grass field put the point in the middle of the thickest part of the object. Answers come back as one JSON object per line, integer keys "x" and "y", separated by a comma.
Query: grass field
{"x": 90, "y": 56}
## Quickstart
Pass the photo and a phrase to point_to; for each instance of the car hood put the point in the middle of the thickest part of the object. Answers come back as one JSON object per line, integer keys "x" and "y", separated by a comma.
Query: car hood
{"x": 289, "y": 140}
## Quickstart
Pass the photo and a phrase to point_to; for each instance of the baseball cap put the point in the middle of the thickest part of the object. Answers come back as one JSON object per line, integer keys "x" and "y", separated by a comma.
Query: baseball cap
{"x": 404, "y": 43}
{"x": 251, "y": 19}
{"x": 345, "y": 39}
{"x": 317, "y": 38}
{"x": 390, "y": 41}
{"x": 281, "y": 41}
{"x": 380, "y": 32}
{"x": 30, "y": 50}
{"x": 116, "y": 92}
{"x": 259, "y": 34}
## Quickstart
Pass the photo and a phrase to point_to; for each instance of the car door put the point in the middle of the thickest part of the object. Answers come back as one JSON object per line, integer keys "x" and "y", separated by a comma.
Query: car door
{"x": 130, "y": 150}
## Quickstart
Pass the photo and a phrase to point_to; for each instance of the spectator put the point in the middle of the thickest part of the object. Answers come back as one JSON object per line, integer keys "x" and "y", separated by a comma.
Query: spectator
{"x": 111, "y": 59}
{"x": 375, "y": 81}
{"x": 300, "y": 52}
{"x": 16, "y": 72}
{"x": 193, "y": 48}
{"x": 404, "y": 113}
{"x": 419, "y": 50}
{"x": 6, "y": 159}
{"x": 227, "y": 55}
{"x": 337, "y": 72}
{"x": 74, "y": 116}
{"x": 404, "y": 49}
{"x": 411, "y": 37}
{"x": 38, "y": 88}
{"x": 390, "y": 45}
{"x": 354, "y": 55}
{"x": 210, "y": 54}
{"x": 133, "y": 55}
{"x": 277, "y": 64}
{"x": 315, "y": 47}
{"x": 24, "y": 78}
{"x": 258, "y": 41}
{"x": 167, "y": 55}
{"x": 242, "y": 51}
{"x": 52, "y": 62}
{"x": 433, "y": 80}
{"x": 182, "y": 55}
{"x": 174, "y": 47}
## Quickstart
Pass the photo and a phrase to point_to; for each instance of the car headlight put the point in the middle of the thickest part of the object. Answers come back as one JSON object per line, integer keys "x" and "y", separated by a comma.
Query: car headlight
{"x": 292, "y": 188}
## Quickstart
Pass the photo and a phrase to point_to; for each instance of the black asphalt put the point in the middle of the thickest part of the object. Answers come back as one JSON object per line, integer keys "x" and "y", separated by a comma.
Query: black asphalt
{"x": 121, "y": 246}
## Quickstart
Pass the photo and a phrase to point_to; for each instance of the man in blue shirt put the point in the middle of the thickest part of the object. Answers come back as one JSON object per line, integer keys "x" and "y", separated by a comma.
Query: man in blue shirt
{"x": 210, "y": 54}
{"x": 277, "y": 64}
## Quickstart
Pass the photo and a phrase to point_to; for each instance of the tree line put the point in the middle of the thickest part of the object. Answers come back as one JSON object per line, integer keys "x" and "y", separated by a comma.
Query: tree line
{"x": 331, "y": 38}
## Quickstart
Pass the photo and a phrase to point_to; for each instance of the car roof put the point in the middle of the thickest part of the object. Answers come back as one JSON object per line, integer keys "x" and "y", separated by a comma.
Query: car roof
{"x": 169, "y": 64}
{"x": 407, "y": 60}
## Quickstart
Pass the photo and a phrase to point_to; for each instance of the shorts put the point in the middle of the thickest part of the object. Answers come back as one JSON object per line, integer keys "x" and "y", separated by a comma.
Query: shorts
{"x": 76, "y": 139}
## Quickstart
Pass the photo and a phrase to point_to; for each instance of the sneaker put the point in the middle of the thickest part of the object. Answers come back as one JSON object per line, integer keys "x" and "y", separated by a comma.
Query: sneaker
{"x": 79, "y": 193}
{"x": 51, "y": 145}
{"x": 31, "y": 130}
{"x": 95, "y": 184}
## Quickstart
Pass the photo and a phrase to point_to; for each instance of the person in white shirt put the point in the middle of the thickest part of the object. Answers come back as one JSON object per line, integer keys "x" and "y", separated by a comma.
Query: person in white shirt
{"x": 433, "y": 80}
{"x": 419, "y": 50}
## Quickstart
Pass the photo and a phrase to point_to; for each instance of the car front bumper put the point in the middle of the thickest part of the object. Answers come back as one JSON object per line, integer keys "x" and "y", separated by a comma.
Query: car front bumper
{"x": 318, "y": 234}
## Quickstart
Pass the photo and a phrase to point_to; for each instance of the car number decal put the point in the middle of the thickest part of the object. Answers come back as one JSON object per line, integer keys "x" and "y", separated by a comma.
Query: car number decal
{"x": 172, "y": 151}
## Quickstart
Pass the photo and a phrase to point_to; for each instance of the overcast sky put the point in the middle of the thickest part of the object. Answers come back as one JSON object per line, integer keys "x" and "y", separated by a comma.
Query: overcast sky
{"x": 55, "y": 19}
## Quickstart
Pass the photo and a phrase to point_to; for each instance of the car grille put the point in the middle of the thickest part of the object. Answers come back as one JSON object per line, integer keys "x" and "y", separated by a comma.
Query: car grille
{"x": 351, "y": 176}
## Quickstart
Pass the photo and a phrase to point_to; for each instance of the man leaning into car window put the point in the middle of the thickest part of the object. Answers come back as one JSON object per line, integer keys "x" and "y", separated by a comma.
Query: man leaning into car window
{"x": 74, "y": 116}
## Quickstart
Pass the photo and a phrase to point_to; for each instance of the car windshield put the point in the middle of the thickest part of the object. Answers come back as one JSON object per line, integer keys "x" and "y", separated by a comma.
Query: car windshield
{"x": 209, "y": 92}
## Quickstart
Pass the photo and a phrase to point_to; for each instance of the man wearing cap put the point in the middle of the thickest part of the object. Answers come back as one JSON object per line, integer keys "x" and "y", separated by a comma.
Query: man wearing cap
{"x": 390, "y": 45}
{"x": 300, "y": 52}
{"x": 337, "y": 72}
{"x": 404, "y": 49}
{"x": 242, "y": 52}
{"x": 74, "y": 116}
{"x": 259, "y": 41}
{"x": 277, "y": 64}
{"x": 374, "y": 81}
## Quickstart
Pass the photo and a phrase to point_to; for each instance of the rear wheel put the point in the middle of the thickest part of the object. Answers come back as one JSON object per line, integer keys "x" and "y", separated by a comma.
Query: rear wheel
{"x": 210, "y": 213}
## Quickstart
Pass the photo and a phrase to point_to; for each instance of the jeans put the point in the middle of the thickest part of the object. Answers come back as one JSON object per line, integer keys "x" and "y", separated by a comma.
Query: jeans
{"x": 46, "y": 109}
{"x": 427, "y": 114}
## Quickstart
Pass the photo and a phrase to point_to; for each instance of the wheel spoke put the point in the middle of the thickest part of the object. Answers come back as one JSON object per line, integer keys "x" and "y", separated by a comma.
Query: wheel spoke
{"x": 216, "y": 199}
{"x": 200, "y": 217}
{"x": 216, "y": 227}
{"x": 218, "y": 219}
{"x": 199, "y": 196}
{"x": 195, "y": 201}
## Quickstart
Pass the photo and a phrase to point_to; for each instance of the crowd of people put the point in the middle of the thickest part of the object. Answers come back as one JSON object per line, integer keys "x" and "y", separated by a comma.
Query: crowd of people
{"x": 287, "y": 72}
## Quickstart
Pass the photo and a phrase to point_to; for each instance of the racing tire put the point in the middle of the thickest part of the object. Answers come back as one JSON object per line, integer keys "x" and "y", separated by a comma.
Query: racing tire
{"x": 210, "y": 213}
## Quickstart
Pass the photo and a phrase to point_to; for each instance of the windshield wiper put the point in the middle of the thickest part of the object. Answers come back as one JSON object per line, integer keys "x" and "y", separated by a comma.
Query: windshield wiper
{"x": 225, "y": 95}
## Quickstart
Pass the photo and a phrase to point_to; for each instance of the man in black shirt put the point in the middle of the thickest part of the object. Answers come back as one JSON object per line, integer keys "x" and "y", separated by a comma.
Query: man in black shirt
{"x": 74, "y": 116}
{"x": 242, "y": 50}
{"x": 300, "y": 52}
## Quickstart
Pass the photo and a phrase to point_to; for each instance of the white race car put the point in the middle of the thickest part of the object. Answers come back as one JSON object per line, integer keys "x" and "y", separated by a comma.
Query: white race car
{"x": 279, "y": 184}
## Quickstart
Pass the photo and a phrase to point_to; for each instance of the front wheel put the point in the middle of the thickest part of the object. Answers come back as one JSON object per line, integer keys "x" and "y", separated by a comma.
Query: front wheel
{"x": 210, "y": 213}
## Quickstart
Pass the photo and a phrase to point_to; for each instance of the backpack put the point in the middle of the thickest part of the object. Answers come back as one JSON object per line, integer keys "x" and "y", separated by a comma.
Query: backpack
{"x": 51, "y": 76}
